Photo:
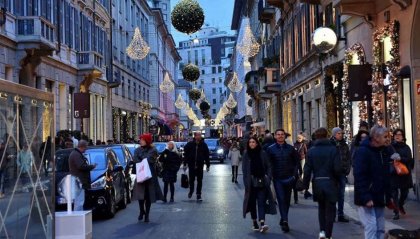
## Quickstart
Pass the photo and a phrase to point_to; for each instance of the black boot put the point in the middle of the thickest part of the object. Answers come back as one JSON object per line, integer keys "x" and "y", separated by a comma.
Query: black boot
{"x": 146, "y": 218}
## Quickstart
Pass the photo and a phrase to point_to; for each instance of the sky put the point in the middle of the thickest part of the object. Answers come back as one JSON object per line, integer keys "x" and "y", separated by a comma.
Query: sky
{"x": 217, "y": 13}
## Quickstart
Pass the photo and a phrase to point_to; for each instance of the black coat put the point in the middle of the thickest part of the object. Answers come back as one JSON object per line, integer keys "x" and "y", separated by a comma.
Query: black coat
{"x": 344, "y": 154}
{"x": 170, "y": 165}
{"x": 79, "y": 167}
{"x": 403, "y": 181}
{"x": 324, "y": 165}
{"x": 196, "y": 154}
{"x": 246, "y": 171}
{"x": 371, "y": 175}
{"x": 284, "y": 160}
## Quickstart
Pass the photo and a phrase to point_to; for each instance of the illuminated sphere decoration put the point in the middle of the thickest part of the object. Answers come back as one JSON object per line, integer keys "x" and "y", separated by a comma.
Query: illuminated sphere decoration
{"x": 187, "y": 16}
{"x": 194, "y": 94}
{"x": 204, "y": 106}
{"x": 324, "y": 39}
{"x": 191, "y": 72}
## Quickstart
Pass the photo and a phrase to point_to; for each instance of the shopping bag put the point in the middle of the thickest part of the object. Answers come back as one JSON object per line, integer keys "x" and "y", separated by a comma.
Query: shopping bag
{"x": 184, "y": 179}
{"x": 143, "y": 172}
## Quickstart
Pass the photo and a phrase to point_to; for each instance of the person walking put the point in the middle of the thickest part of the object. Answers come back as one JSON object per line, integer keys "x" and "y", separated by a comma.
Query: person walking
{"x": 171, "y": 161}
{"x": 337, "y": 139}
{"x": 79, "y": 167}
{"x": 372, "y": 182}
{"x": 24, "y": 162}
{"x": 257, "y": 177}
{"x": 284, "y": 160}
{"x": 234, "y": 156}
{"x": 149, "y": 191}
{"x": 401, "y": 184}
{"x": 323, "y": 165}
{"x": 301, "y": 148}
{"x": 196, "y": 154}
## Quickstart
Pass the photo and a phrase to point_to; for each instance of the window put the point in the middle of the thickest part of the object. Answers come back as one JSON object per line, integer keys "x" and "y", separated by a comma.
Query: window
{"x": 214, "y": 90}
{"x": 122, "y": 87}
{"x": 220, "y": 90}
{"x": 214, "y": 111}
{"x": 214, "y": 101}
{"x": 129, "y": 89}
{"x": 196, "y": 57}
{"x": 134, "y": 91}
{"x": 189, "y": 57}
{"x": 202, "y": 82}
{"x": 220, "y": 69}
{"x": 213, "y": 70}
{"x": 213, "y": 80}
{"x": 203, "y": 72}
{"x": 220, "y": 79}
{"x": 203, "y": 57}
{"x": 164, "y": 6}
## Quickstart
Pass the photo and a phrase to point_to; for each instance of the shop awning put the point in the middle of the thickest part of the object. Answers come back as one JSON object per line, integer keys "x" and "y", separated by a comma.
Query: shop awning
{"x": 258, "y": 124}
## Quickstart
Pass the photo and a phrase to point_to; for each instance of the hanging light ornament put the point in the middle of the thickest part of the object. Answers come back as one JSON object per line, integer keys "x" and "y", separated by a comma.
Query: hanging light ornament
{"x": 167, "y": 85}
{"x": 194, "y": 94}
{"x": 187, "y": 16}
{"x": 231, "y": 102}
{"x": 247, "y": 45}
{"x": 235, "y": 85}
{"x": 191, "y": 72}
{"x": 180, "y": 103}
{"x": 138, "y": 48}
{"x": 224, "y": 110}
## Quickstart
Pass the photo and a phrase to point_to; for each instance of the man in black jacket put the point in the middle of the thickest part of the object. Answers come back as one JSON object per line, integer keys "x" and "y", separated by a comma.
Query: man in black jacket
{"x": 196, "y": 153}
{"x": 80, "y": 167}
{"x": 284, "y": 160}
{"x": 337, "y": 139}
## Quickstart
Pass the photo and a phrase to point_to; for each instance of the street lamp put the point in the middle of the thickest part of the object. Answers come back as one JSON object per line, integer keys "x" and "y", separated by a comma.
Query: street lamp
{"x": 324, "y": 39}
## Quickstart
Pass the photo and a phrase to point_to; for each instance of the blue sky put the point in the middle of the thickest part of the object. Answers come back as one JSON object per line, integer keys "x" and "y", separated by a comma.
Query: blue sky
{"x": 217, "y": 13}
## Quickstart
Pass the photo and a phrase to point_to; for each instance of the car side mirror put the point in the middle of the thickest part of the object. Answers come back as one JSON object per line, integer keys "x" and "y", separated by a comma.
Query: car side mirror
{"x": 118, "y": 168}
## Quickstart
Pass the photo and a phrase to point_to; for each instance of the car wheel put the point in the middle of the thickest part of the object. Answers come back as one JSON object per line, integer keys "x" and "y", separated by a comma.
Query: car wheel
{"x": 112, "y": 209}
{"x": 123, "y": 202}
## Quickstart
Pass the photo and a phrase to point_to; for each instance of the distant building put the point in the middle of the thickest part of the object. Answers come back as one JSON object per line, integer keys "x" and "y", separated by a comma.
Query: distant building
{"x": 210, "y": 51}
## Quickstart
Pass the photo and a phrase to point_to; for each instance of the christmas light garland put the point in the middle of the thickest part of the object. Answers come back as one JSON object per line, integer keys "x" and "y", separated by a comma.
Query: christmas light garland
{"x": 392, "y": 109}
{"x": 138, "y": 48}
{"x": 194, "y": 94}
{"x": 348, "y": 56}
{"x": 187, "y": 16}
{"x": 191, "y": 72}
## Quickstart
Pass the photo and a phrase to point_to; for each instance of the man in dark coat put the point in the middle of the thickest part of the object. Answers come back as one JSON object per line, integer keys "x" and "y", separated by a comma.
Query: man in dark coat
{"x": 79, "y": 167}
{"x": 196, "y": 153}
{"x": 323, "y": 165}
{"x": 284, "y": 160}
{"x": 372, "y": 189}
{"x": 337, "y": 139}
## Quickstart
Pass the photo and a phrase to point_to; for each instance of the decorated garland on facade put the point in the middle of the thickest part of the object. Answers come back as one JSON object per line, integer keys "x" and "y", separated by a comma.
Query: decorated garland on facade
{"x": 191, "y": 72}
{"x": 348, "y": 56}
{"x": 333, "y": 94}
{"x": 392, "y": 31}
{"x": 187, "y": 16}
{"x": 363, "y": 111}
{"x": 115, "y": 115}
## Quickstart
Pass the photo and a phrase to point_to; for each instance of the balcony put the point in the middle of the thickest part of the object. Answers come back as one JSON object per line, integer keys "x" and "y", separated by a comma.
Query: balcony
{"x": 265, "y": 13}
{"x": 90, "y": 61}
{"x": 272, "y": 82}
{"x": 35, "y": 32}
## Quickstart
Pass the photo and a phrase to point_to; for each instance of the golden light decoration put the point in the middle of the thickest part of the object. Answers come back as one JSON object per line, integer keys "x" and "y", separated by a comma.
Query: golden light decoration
{"x": 247, "y": 45}
{"x": 231, "y": 102}
{"x": 235, "y": 85}
{"x": 187, "y": 16}
{"x": 167, "y": 85}
{"x": 224, "y": 110}
{"x": 180, "y": 103}
{"x": 138, "y": 48}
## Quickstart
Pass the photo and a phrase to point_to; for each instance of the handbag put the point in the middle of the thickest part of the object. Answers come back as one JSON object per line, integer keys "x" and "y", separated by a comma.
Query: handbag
{"x": 400, "y": 168}
{"x": 299, "y": 185}
{"x": 184, "y": 180}
{"x": 143, "y": 171}
{"x": 258, "y": 182}
{"x": 158, "y": 169}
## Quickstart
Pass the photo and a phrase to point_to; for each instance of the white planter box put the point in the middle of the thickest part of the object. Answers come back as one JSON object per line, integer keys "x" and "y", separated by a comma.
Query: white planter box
{"x": 77, "y": 225}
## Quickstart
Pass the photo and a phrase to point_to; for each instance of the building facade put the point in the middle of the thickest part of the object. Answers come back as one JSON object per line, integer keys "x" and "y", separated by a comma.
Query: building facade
{"x": 210, "y": 51}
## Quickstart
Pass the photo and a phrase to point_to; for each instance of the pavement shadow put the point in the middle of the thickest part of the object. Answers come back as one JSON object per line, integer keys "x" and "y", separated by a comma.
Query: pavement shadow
{"x": 135, "y": 229}
{"x": 291, "y": 234}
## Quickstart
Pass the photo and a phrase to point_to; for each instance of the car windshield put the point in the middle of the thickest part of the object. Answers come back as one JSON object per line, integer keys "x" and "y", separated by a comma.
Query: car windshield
{"x": 160, "y": 147}
{"x": 211, "y": 142}
{"x": 96, "y": 156}
{"x": 120, "y": 154}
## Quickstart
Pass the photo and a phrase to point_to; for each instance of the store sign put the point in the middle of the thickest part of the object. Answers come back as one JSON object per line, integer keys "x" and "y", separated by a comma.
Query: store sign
{"x": 81, "y": 105}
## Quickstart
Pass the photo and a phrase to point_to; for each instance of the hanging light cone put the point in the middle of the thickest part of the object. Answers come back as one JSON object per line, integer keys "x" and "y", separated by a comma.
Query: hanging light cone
{"x": 247, "y": 45}
{"x": 231, "y": 102}
{"x": 167, "y": 85}
{"x": 138, "y": 48}
{"x": 224, "y": 110}
{"x": 180, "y": 103}
{"x": 203, "y": 96}
{"x": 235, "y": 85}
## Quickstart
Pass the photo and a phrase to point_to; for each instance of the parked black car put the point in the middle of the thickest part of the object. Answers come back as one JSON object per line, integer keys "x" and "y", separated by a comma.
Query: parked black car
{"x": 61, "y": 171}
{"x": 215, "y": 150}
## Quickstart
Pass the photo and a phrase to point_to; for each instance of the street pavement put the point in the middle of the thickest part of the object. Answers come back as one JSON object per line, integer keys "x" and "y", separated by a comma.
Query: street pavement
{"x": 218, "y": 216}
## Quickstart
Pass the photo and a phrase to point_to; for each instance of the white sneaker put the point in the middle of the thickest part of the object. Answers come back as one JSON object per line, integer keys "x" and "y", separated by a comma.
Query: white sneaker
{"x": 322, "y": 235}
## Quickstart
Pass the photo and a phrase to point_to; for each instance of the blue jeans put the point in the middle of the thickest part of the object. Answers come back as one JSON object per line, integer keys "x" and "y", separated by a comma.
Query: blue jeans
{"x": 341, "y": 190}
{"x": 283, "y": 188}
{"x": 373, "y": 221}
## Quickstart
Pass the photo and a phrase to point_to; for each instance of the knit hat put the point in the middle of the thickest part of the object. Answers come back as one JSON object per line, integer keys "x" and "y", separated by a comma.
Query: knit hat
{"x": 335, "y": 131}
{"x": 147, "y": 138}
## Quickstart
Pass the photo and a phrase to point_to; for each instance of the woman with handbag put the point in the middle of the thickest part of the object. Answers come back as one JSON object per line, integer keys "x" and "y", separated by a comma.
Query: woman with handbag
{"x": 234, "y": 156}
{"x": 171, "y": 161}
{"x": 257, "y": 177}
{"x": 323, "y": 165}
{"x": 149, "y": 191}
{"x": 401, "y": 183}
